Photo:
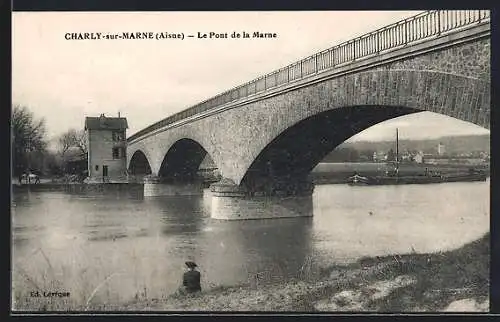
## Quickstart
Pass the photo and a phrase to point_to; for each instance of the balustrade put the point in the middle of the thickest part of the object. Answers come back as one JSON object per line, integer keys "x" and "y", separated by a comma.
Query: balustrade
{"x": 417, "y": 28}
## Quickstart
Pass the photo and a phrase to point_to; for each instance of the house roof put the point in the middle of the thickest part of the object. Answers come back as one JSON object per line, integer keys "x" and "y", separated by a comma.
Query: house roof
{"x": 105, "y": 123}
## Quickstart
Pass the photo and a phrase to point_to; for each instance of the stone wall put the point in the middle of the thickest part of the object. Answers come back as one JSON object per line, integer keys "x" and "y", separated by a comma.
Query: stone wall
{"x": 471, "y": 59}
{"x": 228, "y": 208}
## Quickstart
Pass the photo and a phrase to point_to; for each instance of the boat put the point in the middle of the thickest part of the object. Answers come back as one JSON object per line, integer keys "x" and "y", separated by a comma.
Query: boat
{"x": 357, "y": 180}
{"x": 473, "y": 175}
{"x": 394, "y": 178}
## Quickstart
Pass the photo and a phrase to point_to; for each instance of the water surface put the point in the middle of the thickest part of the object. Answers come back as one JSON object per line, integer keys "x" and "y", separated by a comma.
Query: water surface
{"x": 125, "y": 245}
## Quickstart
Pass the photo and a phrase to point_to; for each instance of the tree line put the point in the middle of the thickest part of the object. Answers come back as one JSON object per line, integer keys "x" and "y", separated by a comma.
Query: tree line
{"x": 347, "y": 154}
{"x": 30, "y": 152}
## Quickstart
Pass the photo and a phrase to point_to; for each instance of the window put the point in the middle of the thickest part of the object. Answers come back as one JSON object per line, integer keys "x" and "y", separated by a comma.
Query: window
{"x": 117, "y": 136}
{"x": 96, "y": 168}
{"x": 118, "y": 153}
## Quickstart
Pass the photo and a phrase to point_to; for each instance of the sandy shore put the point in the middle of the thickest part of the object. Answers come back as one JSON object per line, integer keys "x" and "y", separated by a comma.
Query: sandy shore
{"x": 456, "y": 280}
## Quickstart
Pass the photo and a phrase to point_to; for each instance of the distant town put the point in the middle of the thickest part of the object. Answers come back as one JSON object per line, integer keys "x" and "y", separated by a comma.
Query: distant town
{"x": 465, "y": 150}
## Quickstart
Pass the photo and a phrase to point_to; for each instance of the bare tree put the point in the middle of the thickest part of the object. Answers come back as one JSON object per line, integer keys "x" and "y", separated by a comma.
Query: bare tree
{"x": 28, "y": 135}
{"x": 81, "y": 141}
{"x": 72, "y": 138}
{"x": 65, "y": 142}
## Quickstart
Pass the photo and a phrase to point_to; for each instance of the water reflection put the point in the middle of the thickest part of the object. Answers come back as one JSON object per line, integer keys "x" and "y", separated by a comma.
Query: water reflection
{"x": 398, "y": 219}
{"x": 261, "y": 207}
{"x": 181, "y": 214}
{"x": 236, "y": 251}
{"x": 142, "y": 243}
{"x": 169, "y": 189}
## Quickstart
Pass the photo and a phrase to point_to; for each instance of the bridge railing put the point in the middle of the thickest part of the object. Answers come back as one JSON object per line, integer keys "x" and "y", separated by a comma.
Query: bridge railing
{"x": 410, "y": 30}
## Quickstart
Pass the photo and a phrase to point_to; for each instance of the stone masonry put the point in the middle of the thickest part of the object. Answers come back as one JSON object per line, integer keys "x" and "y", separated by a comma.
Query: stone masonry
{"x": 453, "y": 81}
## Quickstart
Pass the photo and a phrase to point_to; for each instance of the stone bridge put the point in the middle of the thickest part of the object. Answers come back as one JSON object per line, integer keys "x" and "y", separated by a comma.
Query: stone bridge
{"x": 272, "y": 131}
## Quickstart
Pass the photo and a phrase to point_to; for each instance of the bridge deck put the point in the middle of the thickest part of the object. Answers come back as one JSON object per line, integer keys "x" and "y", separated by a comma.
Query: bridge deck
{"x": 421, "y": 27}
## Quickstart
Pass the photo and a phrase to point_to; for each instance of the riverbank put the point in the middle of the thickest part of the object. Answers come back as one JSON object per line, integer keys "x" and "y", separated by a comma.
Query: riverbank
{"x": 76, "y": 187}
{"x": 323, "y": 173}
{"x": 456, "y": 280}
{"x": 339, "y": 173}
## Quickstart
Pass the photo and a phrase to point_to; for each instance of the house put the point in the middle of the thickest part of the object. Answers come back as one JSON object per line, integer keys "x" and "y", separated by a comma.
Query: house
{"x": 406, "y": 156}
{"x": 107, "y": 148}
{"x": 441, "y": 149}
{"x": 379, "y": 156}
{"x": 419, "y": 157}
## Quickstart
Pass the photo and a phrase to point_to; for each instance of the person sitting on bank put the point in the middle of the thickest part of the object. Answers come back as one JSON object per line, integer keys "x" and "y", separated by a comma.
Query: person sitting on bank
{"x": 191, "y": 279}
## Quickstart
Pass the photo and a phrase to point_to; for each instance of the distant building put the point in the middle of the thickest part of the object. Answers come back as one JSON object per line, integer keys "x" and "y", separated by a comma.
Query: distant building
{"x": 405, "y": 156}
{"x": 419, "y": 157}
{"x": 107, "y": 148}
{"x": 436, "y": 160}
{"x": 468, "y": 161}
{"x": 441, "y": 149}
{"x": 379, "y": 156}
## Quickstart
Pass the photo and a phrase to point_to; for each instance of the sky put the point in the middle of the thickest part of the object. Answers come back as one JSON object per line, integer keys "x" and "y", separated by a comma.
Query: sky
{"x": 147, "y": 80}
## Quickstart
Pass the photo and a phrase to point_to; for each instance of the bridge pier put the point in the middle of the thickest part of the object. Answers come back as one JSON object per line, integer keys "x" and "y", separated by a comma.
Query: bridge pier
{"x": 154, "y": 187}
{"x": 235, "y": 202}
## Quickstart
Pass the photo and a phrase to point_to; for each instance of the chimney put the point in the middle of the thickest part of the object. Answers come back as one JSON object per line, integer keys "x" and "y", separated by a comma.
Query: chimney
{"x": 118, "y": 114}
{"x": 102, "y": 120}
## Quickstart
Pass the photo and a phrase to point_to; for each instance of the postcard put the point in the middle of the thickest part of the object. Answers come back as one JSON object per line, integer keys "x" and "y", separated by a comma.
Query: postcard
{"x": 291, "y": 161}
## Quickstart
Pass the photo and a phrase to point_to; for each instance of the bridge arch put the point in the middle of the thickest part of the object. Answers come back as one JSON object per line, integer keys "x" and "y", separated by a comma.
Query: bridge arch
{"x": 292, "y": 155}
{"x": 337, "y": 110}
{"x": 182, "y": 161}
{"x": 139, "y": 164}
{"x": 236, "y": 137}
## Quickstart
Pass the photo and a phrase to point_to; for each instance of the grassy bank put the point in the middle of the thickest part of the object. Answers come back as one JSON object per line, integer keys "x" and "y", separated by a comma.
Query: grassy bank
{"x": 453, "y": 280}
{"x": 456, "y": 280}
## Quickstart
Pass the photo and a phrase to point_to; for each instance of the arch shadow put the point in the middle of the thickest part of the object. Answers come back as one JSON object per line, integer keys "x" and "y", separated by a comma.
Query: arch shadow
{"x": 182, "y": 161}
{"x": 139, "y": 164}
{"x": 292, "y": 155}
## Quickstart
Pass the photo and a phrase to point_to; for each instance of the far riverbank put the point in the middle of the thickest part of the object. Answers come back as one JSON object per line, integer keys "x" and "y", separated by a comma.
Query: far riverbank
{"x": 323, "y": 173}
{"x": 338, "y": 173}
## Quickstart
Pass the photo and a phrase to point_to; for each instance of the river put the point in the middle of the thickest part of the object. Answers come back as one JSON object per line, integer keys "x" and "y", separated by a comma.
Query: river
{"x": 110, "y": 247}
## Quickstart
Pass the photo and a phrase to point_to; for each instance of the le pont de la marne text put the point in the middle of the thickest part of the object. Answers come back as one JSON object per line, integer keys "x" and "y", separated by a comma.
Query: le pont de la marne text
{"x": 165, "y": 35}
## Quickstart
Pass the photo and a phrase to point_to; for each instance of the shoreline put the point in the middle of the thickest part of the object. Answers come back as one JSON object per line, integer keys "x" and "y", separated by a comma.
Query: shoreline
{"x": 319, "y": 176}
{"x": 456, "y": 280}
